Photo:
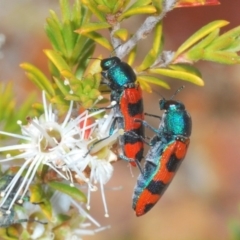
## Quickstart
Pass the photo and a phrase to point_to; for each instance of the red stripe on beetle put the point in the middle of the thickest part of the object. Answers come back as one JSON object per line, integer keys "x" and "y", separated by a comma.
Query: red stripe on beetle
{"x": 177, "y": 149}
{"x": 131, "y": 107}
{"x": 163, "y": 177}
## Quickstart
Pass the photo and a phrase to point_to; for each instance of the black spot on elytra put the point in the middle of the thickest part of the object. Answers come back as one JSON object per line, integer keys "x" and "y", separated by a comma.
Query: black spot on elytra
{"x": 133, "y": 136}
{"x": 148, "y": 207}
{"x": 149, "y": 168}
{"x": 173, "y": 163}
{"x": 156, "y": 187}
{"x": 135, "y": 108}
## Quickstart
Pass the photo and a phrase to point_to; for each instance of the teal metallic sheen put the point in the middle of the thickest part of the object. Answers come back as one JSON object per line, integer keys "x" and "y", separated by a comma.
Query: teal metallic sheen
{"x": 175, "y": 120}
{"x": 117, "y": 73}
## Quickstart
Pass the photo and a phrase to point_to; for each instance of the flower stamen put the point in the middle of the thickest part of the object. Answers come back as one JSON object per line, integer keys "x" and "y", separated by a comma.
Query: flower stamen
{"x": 103, "y": 198}
{"x": 50, "y": 141}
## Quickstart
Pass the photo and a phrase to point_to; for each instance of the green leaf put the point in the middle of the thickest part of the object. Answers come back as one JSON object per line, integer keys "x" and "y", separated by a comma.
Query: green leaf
{"x": 79, "y": 14}
{"x": 219, "y": 45}
{"x": 155, "y": 51}
{"x": 38, "y": 107}
{"x": 59, "y": 99}
{"x": 65, "y": 10}
{"x": 37, "y": 194}
{"x": 55, "y": 19}
{"x": 194, "y": 54}
{"x": 70, "y": 76}
{"x": 197, "y": 51}
{"x": 53, "y": 69}
{"x": 232, "y": 34}
{"x": 8, "y": 111}
{"x": 69, "y": 38}
{"x": 136, "y": 11}
{"x": 90, "y": 4}
{"x": 84, "y": 60}
{"x": 179, "y": 75}
{"x": 98, "y": 38}
{"x": 88, "y": 103}
{"x": 145, "y": 86}
{"x": 90, "y": 27}
{"x": 62, "y": 87}
{"x": 207, "y": 40}
{"x": 10, "y": 233}
{"x": 186, "y": 68}
{"x": 228, "y": 41}
{"x": 121, "y": 33}
{"x": 222, "y": 57}
{"x": 97, "y": 77}
{"x": 234, "y": 46}
{"x": 46, "y": 209}
{"x": 158, "y": 5}
{"x": 73, "y": 97}
{"x": 38, "y": 78}
{"x": 132, "y": 56}
{"x": 104, "y": 9}
{"x": 37, "y": 82}
{"x": 201, "y": 33}
{"x": 148, "y": 60}
{"x": 25, "y": 107}
{"x": 6, "y": 91}
{"x": 51, "y": 36}
{"x": 158, "y": 38}
{"x": 119, "y": 5}
{"x": 82, "y": 46}
{"x": 140, "y": 3}
{"x": 54, "y": 34}
{"x": 65, "y": 41}
{"x": 78, "y": 89}
{"x": 111, "y": 4}
{"x": 70, "y": 191}
{"x": 234, "y": 227}
{"x": 154, "y": 80}
{"x": 95, "y": 67}
{"x": 94, "y": 94}
{"x": 57, "y": 60}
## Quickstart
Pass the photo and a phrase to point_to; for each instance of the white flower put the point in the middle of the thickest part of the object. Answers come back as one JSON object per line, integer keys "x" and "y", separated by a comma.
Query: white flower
{"x": 64, "y": 148}
{"x": 100, "y": 164}
{"x": 81, "y": 230}
{"x": 61, "y": 204}
{"x": 25, "y": 212}
{"x": 38, "y": 231}
{"x": 99, "y": 158}
{"x": 45, "y": 141}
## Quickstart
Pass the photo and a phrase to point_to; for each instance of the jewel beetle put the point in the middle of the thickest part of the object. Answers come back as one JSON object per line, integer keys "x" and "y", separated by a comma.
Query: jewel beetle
{"x": 7, "y": 216}
{"x": 121, "y": 78}
{"x": 167, "y": 150}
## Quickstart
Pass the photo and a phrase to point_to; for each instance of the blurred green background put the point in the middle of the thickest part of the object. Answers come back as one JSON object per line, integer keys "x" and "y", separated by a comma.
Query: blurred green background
{"x": 204, "y": 197}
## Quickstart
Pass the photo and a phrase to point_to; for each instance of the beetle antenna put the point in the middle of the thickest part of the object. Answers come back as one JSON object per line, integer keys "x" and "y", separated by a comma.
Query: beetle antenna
{"x": 96, "y": 58}
{"x": 114, "y": 50}
{"x": 178, "y": 90}
{"x": 158, "y": 93}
